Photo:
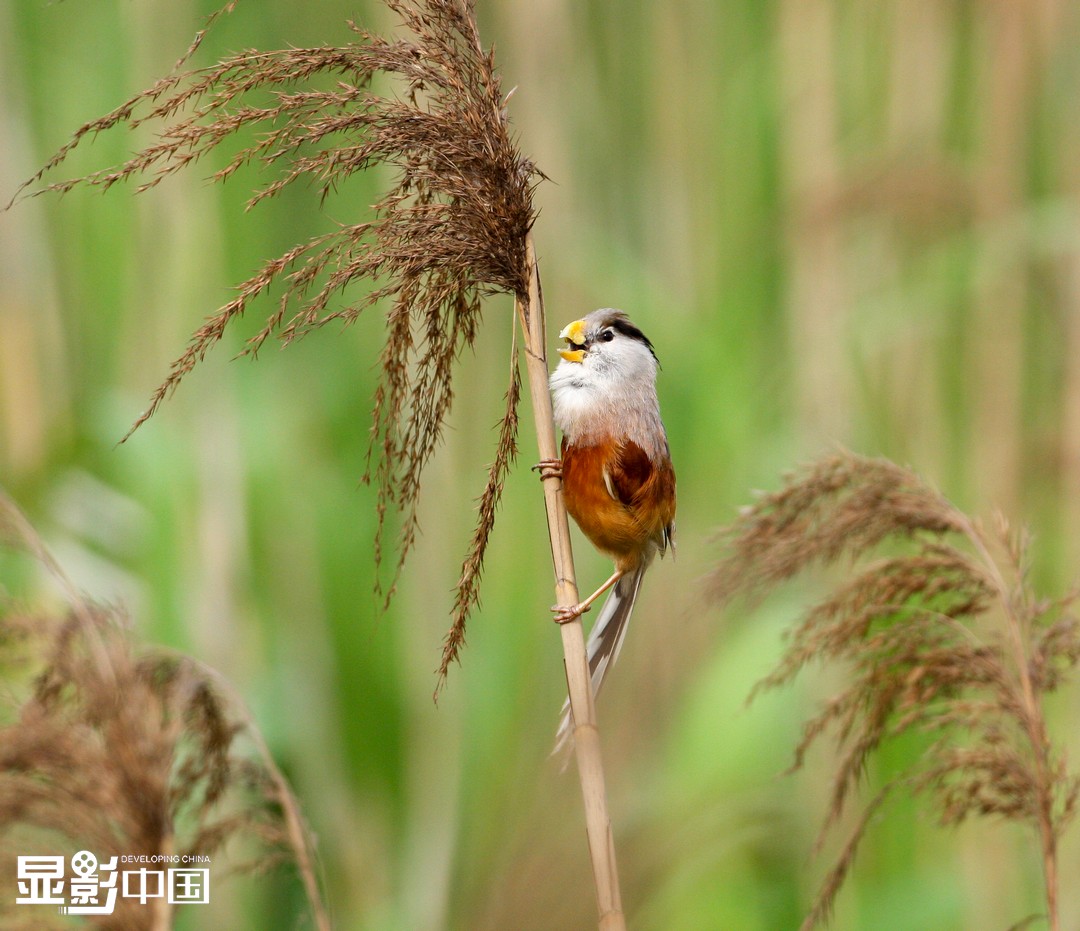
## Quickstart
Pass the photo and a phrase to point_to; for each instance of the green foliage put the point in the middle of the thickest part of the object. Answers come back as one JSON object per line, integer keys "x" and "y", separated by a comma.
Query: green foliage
{"x": 849, "y": 222}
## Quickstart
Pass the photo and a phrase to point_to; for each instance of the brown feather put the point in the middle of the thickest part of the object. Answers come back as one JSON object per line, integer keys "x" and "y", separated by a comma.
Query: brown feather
{"x": 642, "y": 509}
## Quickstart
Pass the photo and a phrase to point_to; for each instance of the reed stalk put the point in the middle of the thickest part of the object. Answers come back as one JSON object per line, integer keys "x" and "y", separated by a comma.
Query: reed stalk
{"x": 1031, "y": 718}
{"x": 530, "y": 310}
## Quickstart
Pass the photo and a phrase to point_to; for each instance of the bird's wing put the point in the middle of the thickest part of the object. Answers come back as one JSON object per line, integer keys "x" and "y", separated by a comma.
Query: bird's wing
{"x": 627, "y": 473}
{"x": 645, "y": 488}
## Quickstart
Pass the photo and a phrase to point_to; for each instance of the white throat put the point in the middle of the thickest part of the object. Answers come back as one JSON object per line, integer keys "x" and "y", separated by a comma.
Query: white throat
{"x": 593, "y": 403}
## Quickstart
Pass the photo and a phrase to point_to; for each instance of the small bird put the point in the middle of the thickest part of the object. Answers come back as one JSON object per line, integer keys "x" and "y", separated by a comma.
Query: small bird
{"x": 618, "y": 482}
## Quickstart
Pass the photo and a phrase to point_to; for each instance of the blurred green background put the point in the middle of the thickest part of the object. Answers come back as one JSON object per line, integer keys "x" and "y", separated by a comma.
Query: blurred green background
{"x": 852, "y": 222}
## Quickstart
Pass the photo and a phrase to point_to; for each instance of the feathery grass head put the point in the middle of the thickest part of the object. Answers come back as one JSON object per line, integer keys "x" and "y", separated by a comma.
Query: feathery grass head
{"x": 123, "y": 750}
{"x": 943, "y": 638}
{"x": 451, "y": 230}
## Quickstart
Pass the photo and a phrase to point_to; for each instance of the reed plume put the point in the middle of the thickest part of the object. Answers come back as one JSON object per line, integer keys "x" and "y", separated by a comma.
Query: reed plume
{"x": 123, "y": 749}
{"x": 454, "y": 228}
{"x": 941, "y": 634}
{"x": 449, "y": 232}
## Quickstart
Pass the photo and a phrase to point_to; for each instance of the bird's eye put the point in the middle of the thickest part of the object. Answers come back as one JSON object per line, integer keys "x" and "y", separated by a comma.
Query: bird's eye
{"x": 607, "y": 336}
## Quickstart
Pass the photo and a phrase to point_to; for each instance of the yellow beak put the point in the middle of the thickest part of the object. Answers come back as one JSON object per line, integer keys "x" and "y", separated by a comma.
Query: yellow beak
{"x": 574, "y": 334}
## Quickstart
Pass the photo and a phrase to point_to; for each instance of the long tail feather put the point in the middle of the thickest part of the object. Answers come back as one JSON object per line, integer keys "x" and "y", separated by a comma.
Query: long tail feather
{"x": 605, "y": 642}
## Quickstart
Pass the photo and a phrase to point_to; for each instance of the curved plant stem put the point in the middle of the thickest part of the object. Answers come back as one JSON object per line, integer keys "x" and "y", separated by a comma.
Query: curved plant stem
{"x": 1032, "y": 716}
{"x": 299, "y": 834}
{"x": 586, "y": 734}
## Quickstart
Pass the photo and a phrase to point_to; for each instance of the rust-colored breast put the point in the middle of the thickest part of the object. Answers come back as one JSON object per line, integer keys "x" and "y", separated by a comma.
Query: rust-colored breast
{"x": 619, "y": 498}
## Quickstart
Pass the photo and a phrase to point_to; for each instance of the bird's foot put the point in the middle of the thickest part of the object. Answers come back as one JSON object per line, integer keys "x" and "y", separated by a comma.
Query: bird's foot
{"x": 564, "y": 614}
{"x": 549, "y": 468}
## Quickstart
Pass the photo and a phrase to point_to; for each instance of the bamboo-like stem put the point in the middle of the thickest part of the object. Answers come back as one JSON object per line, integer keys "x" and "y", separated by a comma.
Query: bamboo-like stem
{"x": 579, "y": 682}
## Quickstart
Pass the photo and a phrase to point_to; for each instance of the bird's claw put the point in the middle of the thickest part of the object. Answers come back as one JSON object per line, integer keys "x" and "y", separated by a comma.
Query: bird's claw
{"x": 564, "y": 614}
{"x": 549, "y": 468}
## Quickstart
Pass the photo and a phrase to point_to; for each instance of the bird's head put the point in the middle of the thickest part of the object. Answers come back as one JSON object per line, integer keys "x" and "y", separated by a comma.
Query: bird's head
{"x": 608, "y": 343}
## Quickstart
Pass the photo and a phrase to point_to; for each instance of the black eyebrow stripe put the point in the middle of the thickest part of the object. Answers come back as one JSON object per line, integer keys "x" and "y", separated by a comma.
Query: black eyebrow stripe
{"x": 625, "y": 327}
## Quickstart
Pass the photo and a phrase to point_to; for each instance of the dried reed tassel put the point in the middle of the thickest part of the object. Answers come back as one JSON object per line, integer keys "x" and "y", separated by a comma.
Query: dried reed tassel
{"x": 585, "y": 730}
{"x": 453, "y": 229}
{"x": 943, "y": 637}
{"x": 118, "y": 746}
